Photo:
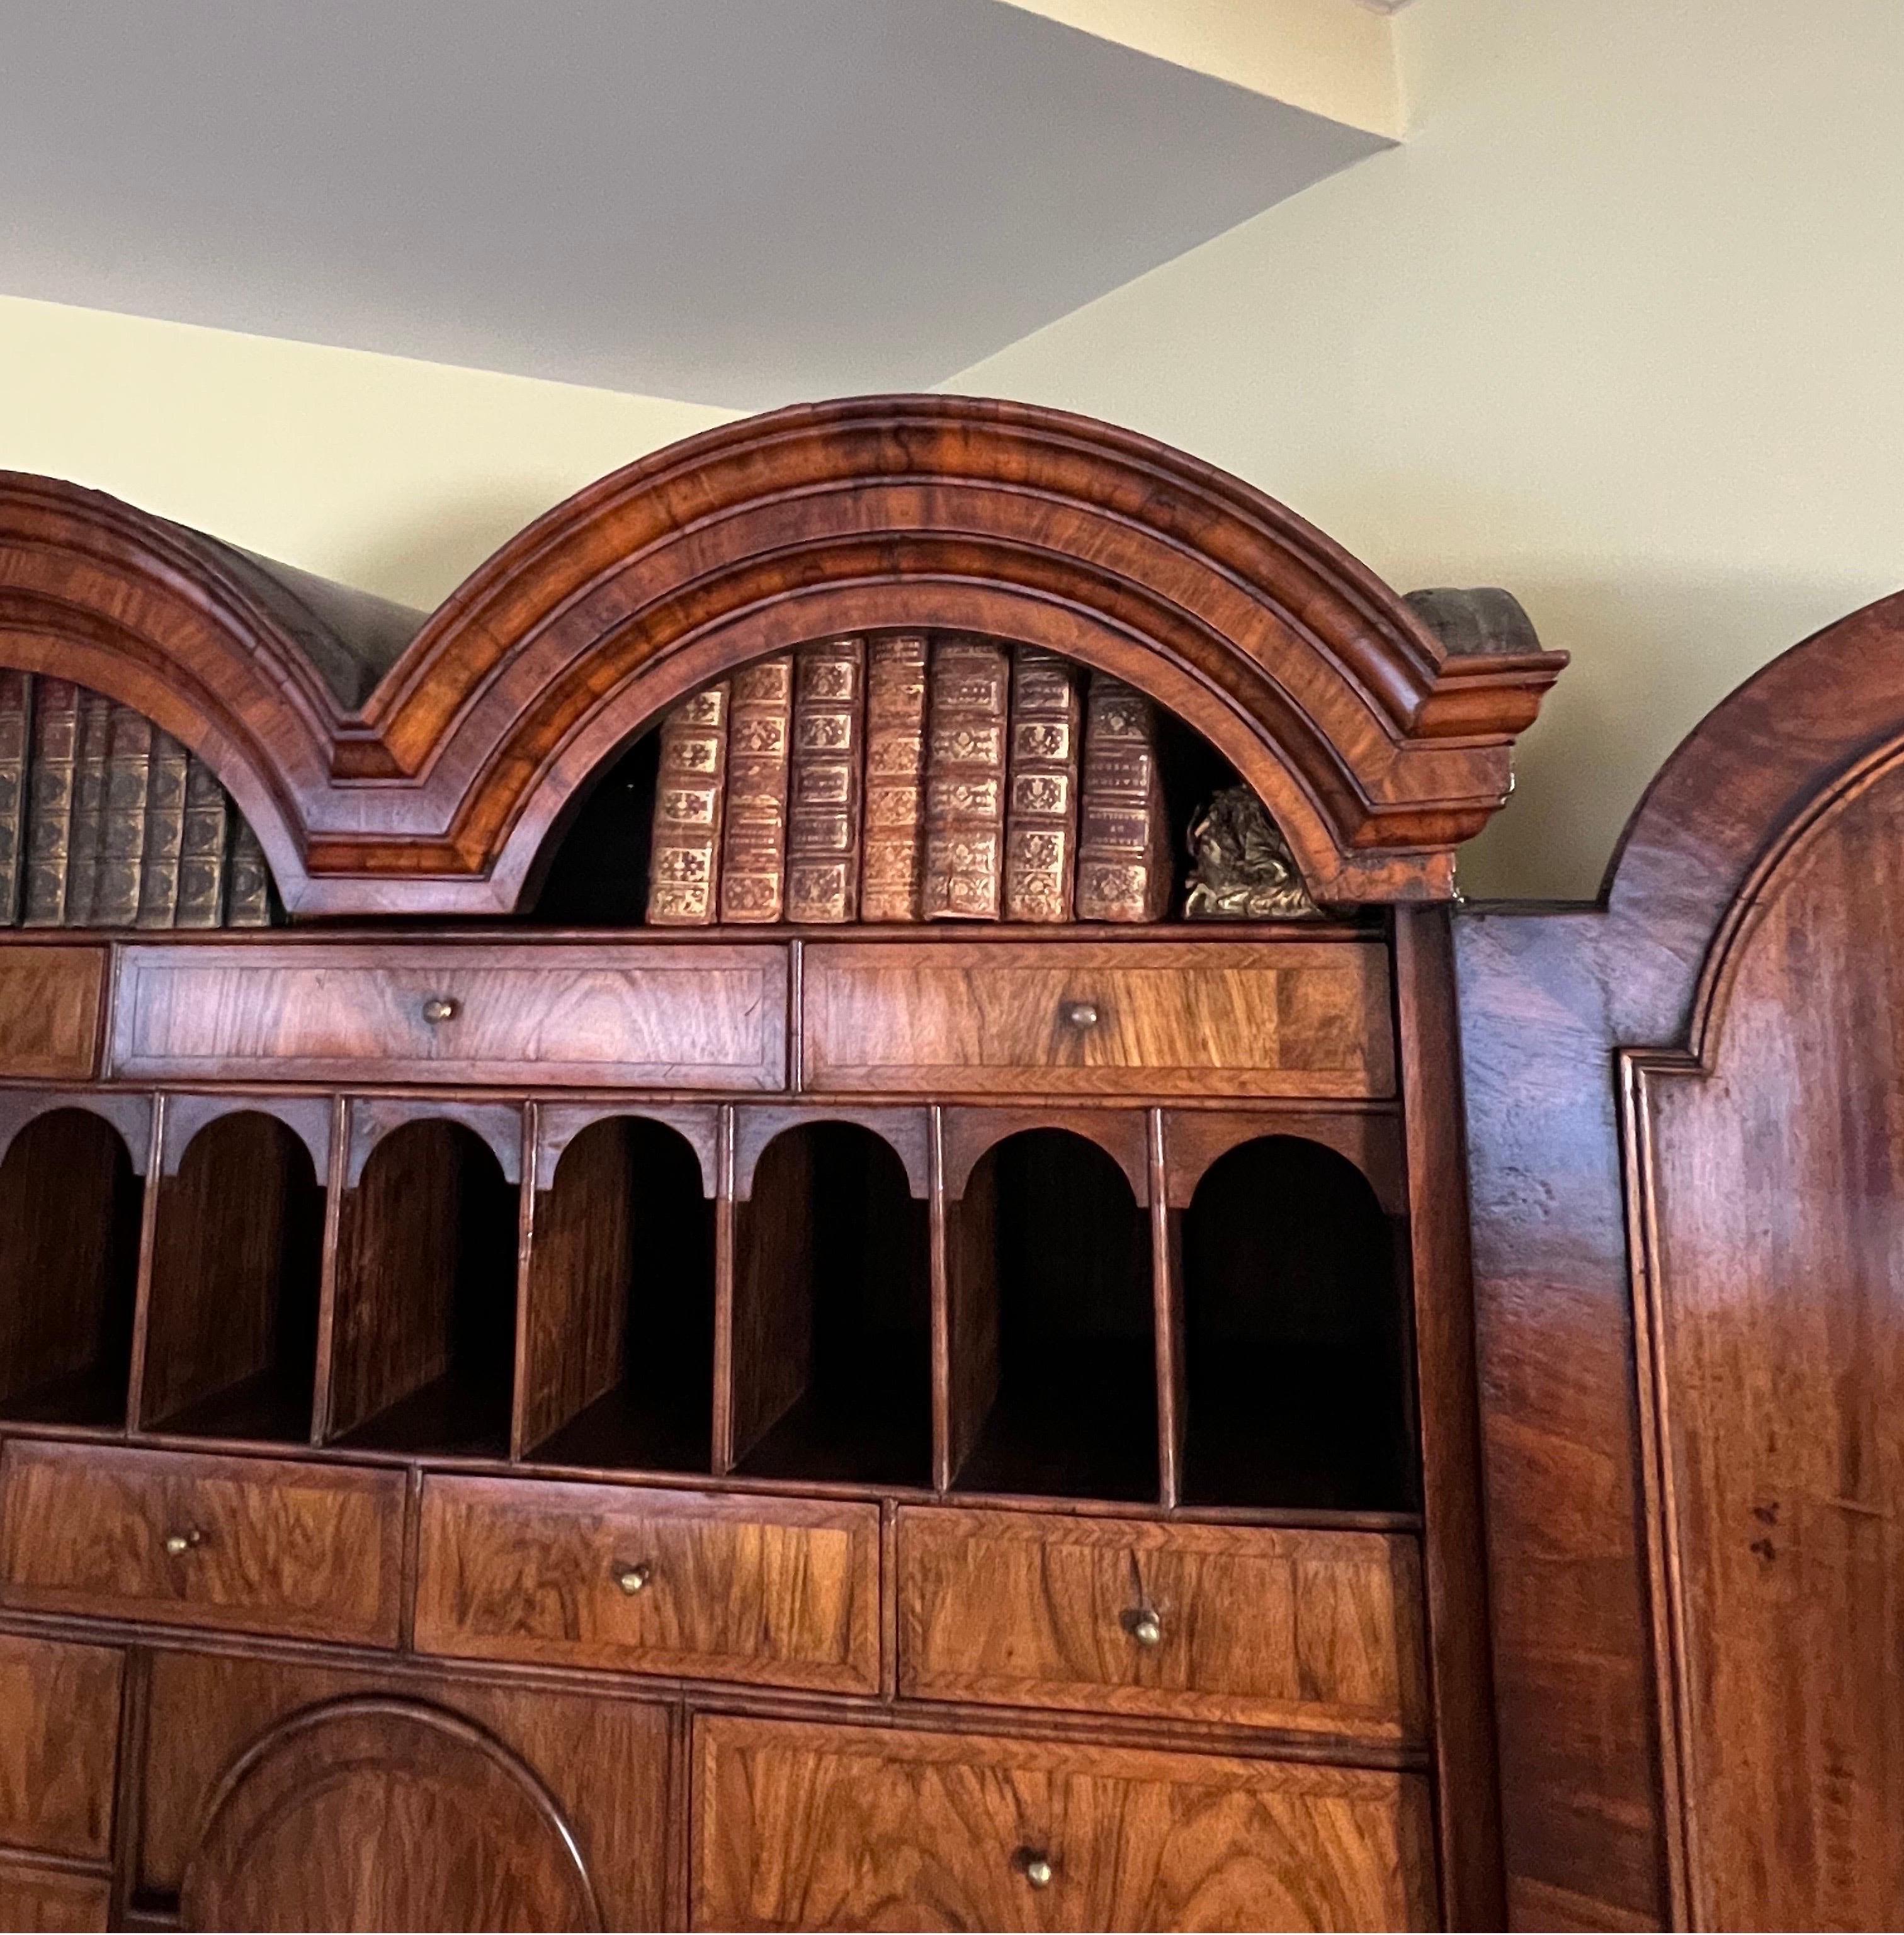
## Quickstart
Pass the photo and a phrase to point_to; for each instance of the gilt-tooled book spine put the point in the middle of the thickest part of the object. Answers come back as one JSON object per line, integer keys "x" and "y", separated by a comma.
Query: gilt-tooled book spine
{"x": 15, "y": 740}
{"x": 1124, "y": 857}
{"x": 824, "y": 785}
{"x": 248, "y": 878}
{"x": 122, "y": 827}
{"x": 164, "y": 832}
{"x": 684, "y": 852}
{"x": 753, "y": 840}
{"x": 964, "y": 780}
{"x": 202, "y": 846}
{"x": 1040, "y": 820}
{"x": 50, "y": 800}
{"x": 893, "y": 863}
{"x": 96, "y": 734}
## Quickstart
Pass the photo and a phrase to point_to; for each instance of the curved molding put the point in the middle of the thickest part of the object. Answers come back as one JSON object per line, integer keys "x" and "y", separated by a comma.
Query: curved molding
{"x": 1377, "y": 749}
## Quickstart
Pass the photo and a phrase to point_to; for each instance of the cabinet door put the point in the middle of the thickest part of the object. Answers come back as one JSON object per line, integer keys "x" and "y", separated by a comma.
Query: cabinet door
{"x": 382, "y": 1813}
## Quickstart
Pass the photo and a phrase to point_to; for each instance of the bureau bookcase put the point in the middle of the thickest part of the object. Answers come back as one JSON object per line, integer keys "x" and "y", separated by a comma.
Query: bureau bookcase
{"x": 512, "y": 1419}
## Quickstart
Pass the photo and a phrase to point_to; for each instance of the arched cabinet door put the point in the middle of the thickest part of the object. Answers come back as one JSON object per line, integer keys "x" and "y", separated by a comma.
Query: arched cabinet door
{"x": 374, "y": 1813}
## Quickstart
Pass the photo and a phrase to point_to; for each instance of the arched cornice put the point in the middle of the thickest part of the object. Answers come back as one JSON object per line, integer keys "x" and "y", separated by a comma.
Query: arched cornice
{"x": 1377, "y": 750}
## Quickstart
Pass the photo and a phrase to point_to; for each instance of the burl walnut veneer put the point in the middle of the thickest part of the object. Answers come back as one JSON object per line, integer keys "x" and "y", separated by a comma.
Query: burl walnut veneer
{"x": 510, "y": 1426}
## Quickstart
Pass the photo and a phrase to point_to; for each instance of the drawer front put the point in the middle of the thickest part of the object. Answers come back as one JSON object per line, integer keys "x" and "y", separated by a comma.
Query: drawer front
{"x": 1085, "y": 1018}
{"x": 49, "y": 1001}
{"x": 688, "y": 1017}
{"x": 1308, "y": 1632}
{"x": 816, "y": 1827}
{"x": 770, "y": 1591}
{"x": 254, "y": 1545}
{"x": 59, "y": 1746}
{"x": 35, "y": 1897}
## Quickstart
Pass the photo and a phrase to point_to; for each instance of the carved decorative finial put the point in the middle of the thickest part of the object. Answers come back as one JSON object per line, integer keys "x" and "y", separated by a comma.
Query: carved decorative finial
{"x": 1242, "y": 868}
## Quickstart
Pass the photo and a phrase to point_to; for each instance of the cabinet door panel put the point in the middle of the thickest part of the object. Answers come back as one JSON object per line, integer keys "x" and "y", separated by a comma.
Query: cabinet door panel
{"x": 815, "y": 1827}
{"x": 51, "y": 1899}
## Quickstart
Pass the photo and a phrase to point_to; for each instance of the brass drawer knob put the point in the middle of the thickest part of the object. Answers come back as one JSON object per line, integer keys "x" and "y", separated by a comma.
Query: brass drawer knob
{"x": 634, "y": 1579}
{"x": 1036, "y": 1867}
{"x": 1146, "y": 1628}
{"x": 438, "y": 1009}
{"x": 1081, "y": 1014}
{"x": 178, "y": 1544}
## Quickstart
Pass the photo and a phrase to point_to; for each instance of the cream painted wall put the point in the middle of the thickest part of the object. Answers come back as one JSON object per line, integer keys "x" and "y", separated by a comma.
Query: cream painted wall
{"x": 396, "y": 476}
{"x": 1622, "y": 326}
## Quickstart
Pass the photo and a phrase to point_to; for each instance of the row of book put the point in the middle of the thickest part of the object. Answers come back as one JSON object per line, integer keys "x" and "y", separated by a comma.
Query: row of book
{"x": 907, "y": 778}
{"x": 105, "y": 821}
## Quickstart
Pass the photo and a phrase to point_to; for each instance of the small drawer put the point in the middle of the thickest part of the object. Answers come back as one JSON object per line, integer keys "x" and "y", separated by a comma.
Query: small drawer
{"x": 59, "y": 1746}
{"x": 1082, "y": 1017}
{"x": 770, "y": 1591}
{"x": 254, "y": 1545}
{"x": 1307, "y": 1631}
{"x": 799, "y": 1826}
{"x": 49, "y": 1002}
{"x": 688, "y": 1017}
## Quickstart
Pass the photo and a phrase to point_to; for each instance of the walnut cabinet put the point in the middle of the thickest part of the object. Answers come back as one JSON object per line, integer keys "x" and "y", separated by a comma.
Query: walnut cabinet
{"x": 509, "y": 1420}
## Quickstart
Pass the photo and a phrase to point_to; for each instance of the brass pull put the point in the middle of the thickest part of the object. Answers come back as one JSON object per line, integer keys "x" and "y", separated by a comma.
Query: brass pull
{"x": 634, "y": 1579}
{"x": 1146, "y": 1628}
{"x": 1081, "y": 1014}
{"x": 438, "y": 1009}
{"x": 1036, "y": 1867}
{"x": 178, "y": 1544}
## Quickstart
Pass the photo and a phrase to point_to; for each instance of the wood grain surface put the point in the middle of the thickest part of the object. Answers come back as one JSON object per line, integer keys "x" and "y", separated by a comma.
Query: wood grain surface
{"x": 1310, "y": 1631}
{"x": 383, "y": 1813}
{"x": 816, "y": 1827}
{"x": 49, "y": 1898}
{"x": 58, "y": 1738}
{"x": 767, "y": 1592}
{"x": 604, "y": 1761}
{"x": 294, "y": 1548}
{"x": 714, "y": 1019}
{"x": 49, "y": 1004}
{"x": 1078, "y": 1019}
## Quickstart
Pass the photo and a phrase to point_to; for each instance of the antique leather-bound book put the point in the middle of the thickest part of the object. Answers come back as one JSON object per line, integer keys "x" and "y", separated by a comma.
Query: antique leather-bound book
{"x": 1124, "y": 856}
{"x": 50, "y": 800}
{"x": 965, "y": 779}
{"x": 15, "y": 739}
{"x": 248, "y": 878}
{"x": 123, "y": 826}
{"x": 202, "y": 847}
{"x": 94, "y": 744}
{"x": 753, "y": 837}
{"x": 164, "y": 832}
{"x": 824, "y": 785}
{"x": 894, "y": 837}
{"x": 1041, "y": 822}
{"x": 684, "y": 853}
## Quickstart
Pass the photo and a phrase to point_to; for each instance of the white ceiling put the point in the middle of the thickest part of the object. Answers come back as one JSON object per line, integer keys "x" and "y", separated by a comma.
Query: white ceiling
{"x": 738, "y": 202}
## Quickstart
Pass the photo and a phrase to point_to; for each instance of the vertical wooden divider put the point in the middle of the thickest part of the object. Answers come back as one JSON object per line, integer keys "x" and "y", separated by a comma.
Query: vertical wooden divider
{"x": 1460, "y": 1671}
{"x": 135, "y": 1378}
{"x": 941, "y": 1306}
{"x": 525, "y": 1239}
{"x": 1167, "y": 1302}
{"x": 329, "y": 1266}
{"x": 722, "y": 1456}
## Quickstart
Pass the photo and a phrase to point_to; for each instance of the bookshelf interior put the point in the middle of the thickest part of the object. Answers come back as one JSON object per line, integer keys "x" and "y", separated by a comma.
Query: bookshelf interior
{"x": 232, "y": 1324}
{"x": 69, "y": 1251}
{"x": 425, "y": 1321}
{"x": 832, "y": 1354}
{"x": 619, "y": 1365}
